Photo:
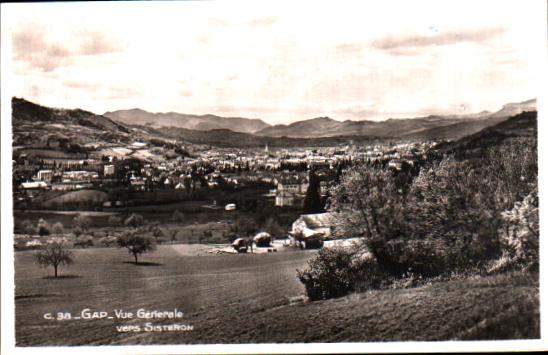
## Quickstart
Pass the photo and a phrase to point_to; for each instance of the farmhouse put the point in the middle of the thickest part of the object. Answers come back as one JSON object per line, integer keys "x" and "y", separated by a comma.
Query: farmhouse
{"x": 312, "y": 229}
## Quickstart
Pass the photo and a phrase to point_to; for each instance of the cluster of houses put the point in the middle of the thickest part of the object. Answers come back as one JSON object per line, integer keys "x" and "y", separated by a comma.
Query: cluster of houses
{"x": 284, "y": 169}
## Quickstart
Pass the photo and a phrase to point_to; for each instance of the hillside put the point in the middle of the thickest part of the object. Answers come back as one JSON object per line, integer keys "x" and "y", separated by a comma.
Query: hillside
{"x": 179, "y": 120}
{"x": 523, "y": 125}
{"x": 247, "y": 299}
{"x": 24, "y": 111}
{"x": 228, "y": 138}
{"x": 36, "y": 126}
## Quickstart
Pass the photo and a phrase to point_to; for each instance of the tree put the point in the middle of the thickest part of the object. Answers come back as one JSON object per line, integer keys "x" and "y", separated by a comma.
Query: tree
{"x": 312, "y": 200}
{"x": 521, "y": 231}
{"x": 82, "y": 221}
{"x": 136, "y": 243}
{"x": 173, "y": 235}
{"x": 27, "y": 227}
{"x": 43, "y": 227}
{"x": 54, "y": 254}
{"x": 273, "y": 228}
{"x": 371, "y": 208}
{"x": 77, "y": 232}
{"x": 114, "y": 221}
{"x": 58, "y": 228}
{"x": 134, "y": 221}
{"x": 156, "y": 231}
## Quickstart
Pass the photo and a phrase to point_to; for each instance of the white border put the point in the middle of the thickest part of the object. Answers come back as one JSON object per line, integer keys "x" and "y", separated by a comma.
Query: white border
{"x": 7, "y": 257}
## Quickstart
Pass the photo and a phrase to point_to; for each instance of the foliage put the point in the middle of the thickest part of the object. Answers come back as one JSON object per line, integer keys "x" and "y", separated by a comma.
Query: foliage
{"x": 134, "y": 221}
{"x": 335, "y": 272}
{"x": 28, "y": 227}
{"x": 77, "y": 231}
{"x": 54, "y": 253}
{"x": 520, "y": 233}
{"x": 312, "y": 201}
{"x": 449, "y": 219}
{"x": 43, "y": 227}
{"x": 81, "y": 221}
{"x": 84, "y": 241}
{"x": 58, "y": 228}
{"x": 114, "y": 221}
{"x": 108, "y": 240}
{"x": 272, "y": 227}
{"x": 136, "y": 243}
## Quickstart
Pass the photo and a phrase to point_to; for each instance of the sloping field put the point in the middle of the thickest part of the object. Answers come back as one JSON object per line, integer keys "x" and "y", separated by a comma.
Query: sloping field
{"x": 80, "y": 196}
{"x": 246, "y": 298}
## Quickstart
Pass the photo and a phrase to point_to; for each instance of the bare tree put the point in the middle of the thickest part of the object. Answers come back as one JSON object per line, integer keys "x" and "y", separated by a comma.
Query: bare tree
{"x": 54, "y": 254}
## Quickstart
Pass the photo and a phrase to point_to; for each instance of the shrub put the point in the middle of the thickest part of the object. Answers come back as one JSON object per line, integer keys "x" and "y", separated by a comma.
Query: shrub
{"x": 520, "y": 234}
{"x": 84, "y": 241}
{"x": 43, "y": 227}
{"x": 108, "y": 240}
{"x": 335, "y": 272}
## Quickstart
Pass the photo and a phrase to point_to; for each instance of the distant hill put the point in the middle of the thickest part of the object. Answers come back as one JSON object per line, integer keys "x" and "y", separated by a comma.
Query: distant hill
{"x": 228, "y": 138}
{"x": 196, "y": 122}
{"x": 24, "y": 111}
{"x": 430, "y": 127}
{"x": 523, "y": 125}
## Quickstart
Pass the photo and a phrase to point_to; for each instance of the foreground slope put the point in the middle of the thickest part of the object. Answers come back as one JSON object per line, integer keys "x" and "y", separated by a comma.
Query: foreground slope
{"x": 247, "y": 299}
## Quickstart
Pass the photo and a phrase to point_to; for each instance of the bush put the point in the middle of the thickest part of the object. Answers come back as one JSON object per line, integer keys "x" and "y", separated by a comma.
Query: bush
{"x": 84, "y": 241}
{"x": 520, "y": 235}
{"x": 335, "y": 272}
{"x": 43, "y": 228}
{"x": 108, "y": 240}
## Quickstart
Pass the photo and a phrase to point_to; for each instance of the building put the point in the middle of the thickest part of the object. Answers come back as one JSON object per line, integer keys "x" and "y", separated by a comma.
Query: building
{"x": 34, "y": 185}
{"x": 310, "y": 230}
{"x": 108, "y": 170}
{"x": 284, "y": 198}
{"x": 296, "y": 186}
{"x": 45, "y": 175}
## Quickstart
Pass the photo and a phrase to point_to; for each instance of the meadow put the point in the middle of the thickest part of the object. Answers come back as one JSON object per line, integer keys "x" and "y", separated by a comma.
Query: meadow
{"x": 255, "y": 298}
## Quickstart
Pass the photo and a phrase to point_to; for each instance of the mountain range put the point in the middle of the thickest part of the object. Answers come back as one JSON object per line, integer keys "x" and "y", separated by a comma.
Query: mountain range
{"x": 429, "y": 127}
{"x": 33, "y": 122}
{"x": 196, "y": 122}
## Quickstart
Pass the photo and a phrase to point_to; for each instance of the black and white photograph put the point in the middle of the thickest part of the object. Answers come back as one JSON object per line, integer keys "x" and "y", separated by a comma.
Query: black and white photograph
{"x": 235, "y": 176}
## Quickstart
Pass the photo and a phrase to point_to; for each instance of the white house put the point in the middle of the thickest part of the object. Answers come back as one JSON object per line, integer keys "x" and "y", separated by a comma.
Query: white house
{"x": 45, "y": 175}
{"x": 311, "y": 228}
{"x": 284, "y": 198}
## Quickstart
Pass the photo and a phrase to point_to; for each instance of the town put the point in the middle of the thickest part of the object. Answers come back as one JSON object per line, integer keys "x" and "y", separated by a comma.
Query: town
{"x": 140, "y": 167}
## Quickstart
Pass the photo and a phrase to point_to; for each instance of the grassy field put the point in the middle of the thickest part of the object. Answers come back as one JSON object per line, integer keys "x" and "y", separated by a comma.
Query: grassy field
{"x": 246, "y": 298}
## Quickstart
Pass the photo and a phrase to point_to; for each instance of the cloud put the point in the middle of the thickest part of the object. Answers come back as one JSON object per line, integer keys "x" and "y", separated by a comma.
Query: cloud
{"x": 263, "y": 21}
{"x": 74, "y": 84}
{"x": 411, "y": 43}
{"x": 93, "y": 43}
{"x": 30, "y": 46}
{"x": 122, "y": 92}
{"x": 33, "y": 45}
{"x": 350, "y": 49}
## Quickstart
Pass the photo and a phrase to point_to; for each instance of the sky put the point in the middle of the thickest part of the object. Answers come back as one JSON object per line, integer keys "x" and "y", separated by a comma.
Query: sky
{"x": 280, "y": 62}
